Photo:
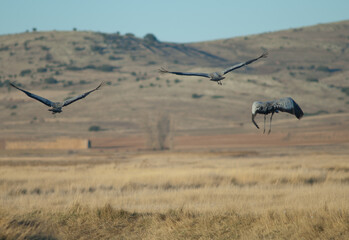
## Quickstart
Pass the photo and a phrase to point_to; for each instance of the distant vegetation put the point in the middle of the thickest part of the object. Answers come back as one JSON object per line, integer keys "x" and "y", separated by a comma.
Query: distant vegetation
{"x": 327, "y": 69}
{"x": 217, "y": 96}
{"x": 150, "y": 38}
{"x": 95, "y": 128}
{"x": 195, "y": 95}
{"x": 97, "y": 48}
{"x": 114, "y": 58}
{"x": 345, "y": 90}
{"x": 5, "y": 83}
{"x": 6, "y": 48}
{"x": 102, "y": 68}
{"x": 312, "y": 79}
{"x": 25, "y": 72}
{"x": 51, "y": 80}
{"x": 79, "y": 48}
{"x": 41, "y": 70}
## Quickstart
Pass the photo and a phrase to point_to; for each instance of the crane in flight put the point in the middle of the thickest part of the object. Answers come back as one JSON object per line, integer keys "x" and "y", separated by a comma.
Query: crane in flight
{"x": 56, "y": 107}
{"x": 215, "y": 76}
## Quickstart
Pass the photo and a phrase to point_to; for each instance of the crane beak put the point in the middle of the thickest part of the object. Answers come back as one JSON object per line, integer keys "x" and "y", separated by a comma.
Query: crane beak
{"x": 253, "y": 116}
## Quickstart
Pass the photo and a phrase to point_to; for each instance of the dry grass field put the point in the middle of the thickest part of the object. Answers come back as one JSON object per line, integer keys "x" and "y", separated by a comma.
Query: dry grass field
{"x": 288, "y": 193}
{"x": 217, "y": 176}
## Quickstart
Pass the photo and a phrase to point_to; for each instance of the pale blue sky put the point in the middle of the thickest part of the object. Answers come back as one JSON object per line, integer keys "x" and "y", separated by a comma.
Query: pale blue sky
{"x": 172, "y": 21}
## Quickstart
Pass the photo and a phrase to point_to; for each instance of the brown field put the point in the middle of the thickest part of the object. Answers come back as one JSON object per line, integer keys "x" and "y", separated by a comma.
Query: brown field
{"x": 245, "y": 191}
{"x": 217, "y": 176}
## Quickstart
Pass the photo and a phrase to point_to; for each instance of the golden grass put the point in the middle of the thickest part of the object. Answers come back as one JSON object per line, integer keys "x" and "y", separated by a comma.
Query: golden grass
{"x": 178, "y": 196}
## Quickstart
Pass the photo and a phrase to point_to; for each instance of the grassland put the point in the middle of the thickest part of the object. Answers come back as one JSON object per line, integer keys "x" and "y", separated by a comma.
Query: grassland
{"x": 222, "y": 178}
{"x": 292, "y": 194}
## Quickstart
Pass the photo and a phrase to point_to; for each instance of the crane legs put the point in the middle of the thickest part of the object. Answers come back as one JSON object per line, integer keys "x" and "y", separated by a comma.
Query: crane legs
{"x": 265, "y": 116}
{"x": 271, "y": 117}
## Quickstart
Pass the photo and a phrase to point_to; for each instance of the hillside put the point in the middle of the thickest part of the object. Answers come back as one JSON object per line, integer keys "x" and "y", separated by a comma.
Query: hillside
{"x": 309, "y": 64}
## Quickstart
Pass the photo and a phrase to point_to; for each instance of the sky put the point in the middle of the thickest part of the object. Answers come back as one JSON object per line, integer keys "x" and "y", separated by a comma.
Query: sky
{"x": 180, "y": 21}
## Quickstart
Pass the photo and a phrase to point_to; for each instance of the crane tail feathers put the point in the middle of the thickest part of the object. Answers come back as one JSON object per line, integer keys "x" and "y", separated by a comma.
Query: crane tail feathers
{"x": 264, "y": 54}
{"x": 163, "y": 70}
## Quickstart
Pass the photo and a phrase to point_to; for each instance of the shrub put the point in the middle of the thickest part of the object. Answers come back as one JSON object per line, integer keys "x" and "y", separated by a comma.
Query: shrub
{"x": 113, "y": 58}
{"x": 327, "y": 69}
{"x": 73, "y": 68}
{"x": 345, "y": 90}
{"x": 25, "y": 72}
{"x": 51, "y": 80}
{"x": 129, "y": 35}
{"x": 97, "y": 48}
{"x": 95, "y": 128}
{"x": 41, "y": 70}
{"x": 106, "y": 68}
{"x": 25, "y": 44}
{"x": 312, "y": 80}
{"x": 4, "y": 48}
{"x": 83, "y": 82}
{"x": 217, "y": 96}
{"x": 322, "y": 68}
{"x": 150, "y": 38}
{"x": 251, "y": 81}
{"x": 68, "y": 83}
{"x": 79, "y": 48}
{"x": 195, "y": 95}
{"x": 89, "y": 67}
{"x": 151, "y": 63}
{"x": 44, "y": 48}
{"x": 48, "y": 57}
{"x": 177, "y": 81}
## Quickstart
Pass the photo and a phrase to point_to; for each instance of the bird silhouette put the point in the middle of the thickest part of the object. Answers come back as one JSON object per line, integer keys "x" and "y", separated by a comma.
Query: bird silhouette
{"x": 284, "y": 105}
{"x": 56, "y": 107}
{"x": 215, "y": 76}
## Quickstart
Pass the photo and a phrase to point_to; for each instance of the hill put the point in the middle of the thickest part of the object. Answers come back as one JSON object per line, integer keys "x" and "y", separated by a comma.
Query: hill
{"x": 310, "y": 64}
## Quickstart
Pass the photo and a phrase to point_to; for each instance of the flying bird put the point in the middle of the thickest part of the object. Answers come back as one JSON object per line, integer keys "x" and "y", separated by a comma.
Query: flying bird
{"x": 56, "y": 107}
{"x": 216, "y": 76}
{"x": 284, "y": 105}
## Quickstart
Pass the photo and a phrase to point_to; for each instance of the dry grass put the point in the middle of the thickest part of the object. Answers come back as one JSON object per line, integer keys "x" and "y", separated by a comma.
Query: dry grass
{"x": 178, "y": 196}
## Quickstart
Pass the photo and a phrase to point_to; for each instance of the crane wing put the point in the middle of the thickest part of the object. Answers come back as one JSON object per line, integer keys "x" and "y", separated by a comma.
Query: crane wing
{"x": 239, "y": 65}
{"x": 290, "y": 106}
{"x": 163, "y": 70}
{"x": 74, "y": 99}
{"x": 36, "y": 97}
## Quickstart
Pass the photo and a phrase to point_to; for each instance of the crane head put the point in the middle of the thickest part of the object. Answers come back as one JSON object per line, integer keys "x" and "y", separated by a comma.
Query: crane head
{"x": 254, "y": 122}
{"x": 255, "y": 108}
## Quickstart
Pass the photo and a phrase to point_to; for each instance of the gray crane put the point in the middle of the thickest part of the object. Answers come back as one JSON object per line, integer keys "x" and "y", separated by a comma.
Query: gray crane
{"x": 284, "y": 105}
{"x": 216, "y": 76}
{"x": 56, "y": 107}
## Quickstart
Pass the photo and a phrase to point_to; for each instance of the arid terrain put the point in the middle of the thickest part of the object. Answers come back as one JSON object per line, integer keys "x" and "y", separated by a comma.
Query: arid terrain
{"x": 173, "y": 157}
